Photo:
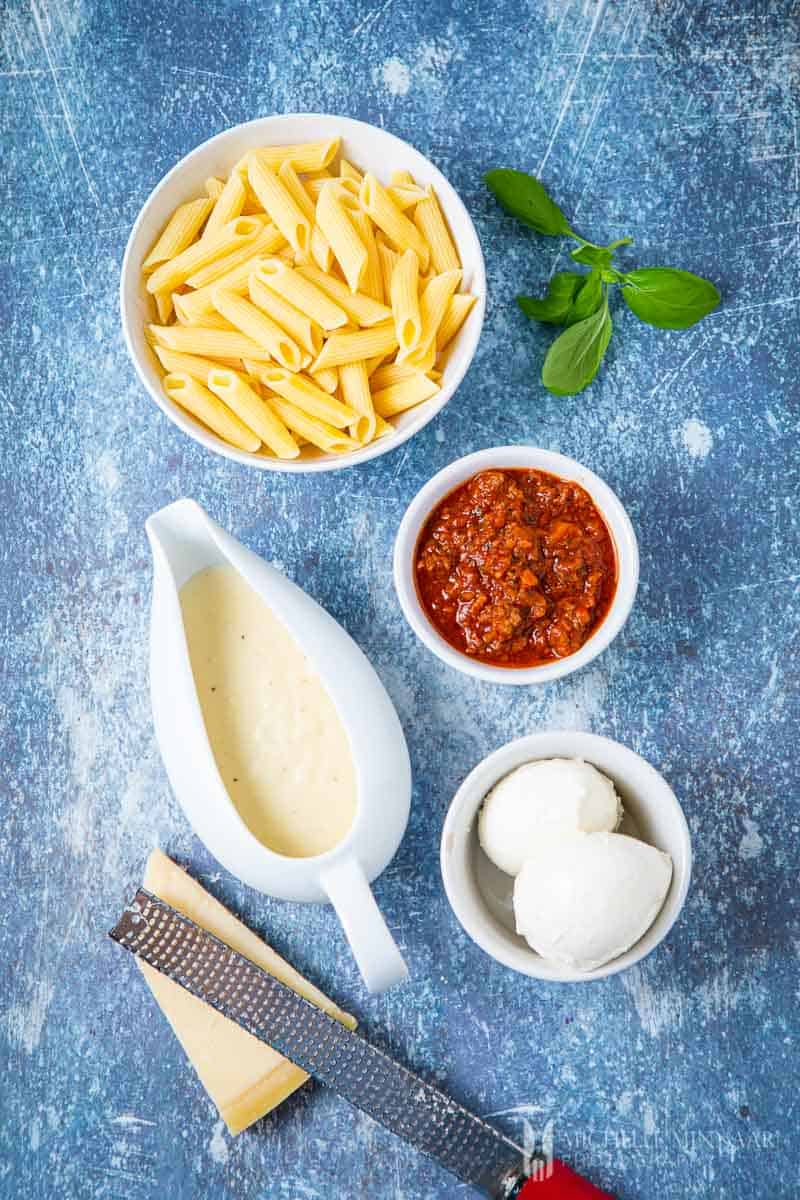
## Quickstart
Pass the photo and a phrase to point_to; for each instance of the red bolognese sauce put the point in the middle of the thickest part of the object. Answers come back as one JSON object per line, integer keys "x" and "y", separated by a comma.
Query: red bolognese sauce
{"x": 516, "y": 567}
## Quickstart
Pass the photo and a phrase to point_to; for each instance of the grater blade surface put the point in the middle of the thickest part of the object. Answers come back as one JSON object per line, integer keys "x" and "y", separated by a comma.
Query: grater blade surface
{"x": 372, "y": 1081}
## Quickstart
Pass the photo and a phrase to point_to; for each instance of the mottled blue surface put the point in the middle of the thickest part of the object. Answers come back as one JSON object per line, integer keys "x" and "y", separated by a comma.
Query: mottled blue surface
{"x": 675, "y": 122}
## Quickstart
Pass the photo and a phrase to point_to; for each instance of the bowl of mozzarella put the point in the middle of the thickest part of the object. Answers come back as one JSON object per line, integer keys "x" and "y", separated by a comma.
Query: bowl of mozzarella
{"x": 566, "y": 856}
{"x": 302, "y": 293}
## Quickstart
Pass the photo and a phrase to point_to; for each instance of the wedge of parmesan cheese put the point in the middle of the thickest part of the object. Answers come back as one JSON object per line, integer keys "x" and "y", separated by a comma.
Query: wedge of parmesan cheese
{"x": 244, "y": 1077}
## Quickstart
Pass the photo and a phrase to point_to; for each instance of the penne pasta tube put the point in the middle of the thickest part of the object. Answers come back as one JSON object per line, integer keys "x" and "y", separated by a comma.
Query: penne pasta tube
{"x": 373, "y": 363}
{"x": 319, "y": 433}
{"x": 278, "y": 203}
{"x": 433, "y": 305}
{"x": 260, "y": 328}
{"x": 228, "y": 205}
{"x": 267, "y": 241}
{"x": 190, "y": 394}
{"x": 308, "y": 156}
{"x": 398, "y": 397}
{"x": 348, "y": 171}
{"x": 179, "y": 232}
{"x": 406, "y": 197}
{"x": 334, "y": 211}
{"x": 208, "y": 343}
{"x": 430, "y": 222}
{"x": 300, "y": 391}
{"x": 405, "y": 301}
{"x": 213, "y": 320}
{"x": 402, "y": 233}
{"x": 255, "y": 412}
{"x": 164, "y": 306}
{"x": 172, "y": 274}
{"x": 328, "y": 379}
{"x": 321, "y": 252}
{"x": 357, "y": 307}
{"x": 351, "y": 347}
{"x": 401, "y": 179}
{"x": 214, "y": 187}
{"x": 298, "y": 289}
{"x": 388, "y": 260}
{"x": 174, "y": 362}
{"x": 355, "y": 389}
{"x": 382, "y": 427}
{"x": 391, "y": 373}
{"x": 455, "y": 315}
{"x": 301, "y": 328}
{"x": 372, "y": 283}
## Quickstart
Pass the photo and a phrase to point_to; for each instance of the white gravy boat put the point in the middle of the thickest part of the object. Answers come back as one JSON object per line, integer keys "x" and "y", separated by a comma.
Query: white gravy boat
{"x": 184, "y": 540}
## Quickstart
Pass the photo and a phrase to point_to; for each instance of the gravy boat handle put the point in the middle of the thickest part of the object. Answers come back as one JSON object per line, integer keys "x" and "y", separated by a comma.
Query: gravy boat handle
{"x": 376, "y": 953}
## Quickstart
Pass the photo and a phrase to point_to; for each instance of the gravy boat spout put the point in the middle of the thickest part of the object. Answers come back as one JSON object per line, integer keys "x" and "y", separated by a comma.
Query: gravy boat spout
{"x": 185, "y": 540}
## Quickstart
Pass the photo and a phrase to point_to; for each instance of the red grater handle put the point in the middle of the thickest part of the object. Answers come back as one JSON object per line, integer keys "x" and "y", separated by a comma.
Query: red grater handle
{"x": 563, "y": 1184}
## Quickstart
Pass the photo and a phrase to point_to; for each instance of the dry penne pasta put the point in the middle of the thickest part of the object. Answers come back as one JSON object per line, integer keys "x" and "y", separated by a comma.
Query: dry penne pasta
{"x": 164, "y": 306}
{"x": 304, "y": 302}
{"x": 176, "y": 271}
{"x": 433, "y": 305}
{"x": 398, "y": 397}
{"x": 175, "y": 362}
{"x": 228, "y": 205}
{"x": 254, "y": 411}
{"x": 303, "y": 393}
{"x": 431, "y": 224}
{"x": 190, "y": 394}
{"x": 179, "y": 232}
{"x": 405, "y": 301}
{"x": 266, "y": 242}
{"x": 301, "y": 328}
{"x": 388, "y": 260}
{"x": 210, "y": 343}
{"x": 372, "y": 283}
{"x": 260, "y": 328}
{"x": 214, "y": 187}
{"x": 301, "y": 291}
{"x": 309, "y": 156}
{"x": 279, "y": 204}
{"x": 334, "y": 210}
{"x": 357, "y": 307}
{"x": 311, "y": 429}
{"x": 402, "y": 233}
{"x": 458, "y": 310}
{"x": 350, "y": 347}
{"x": 355, "y": 389}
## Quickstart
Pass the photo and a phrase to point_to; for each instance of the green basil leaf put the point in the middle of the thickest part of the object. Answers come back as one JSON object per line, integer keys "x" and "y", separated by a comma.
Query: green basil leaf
{"x": 593, "y": 256}
{"x": 668, "y": 297}
{"x": 574, "y": 358}
{"x": 587, "y": 300}
{"x": 525, "y": 198}
{"x": 554, "y": 307}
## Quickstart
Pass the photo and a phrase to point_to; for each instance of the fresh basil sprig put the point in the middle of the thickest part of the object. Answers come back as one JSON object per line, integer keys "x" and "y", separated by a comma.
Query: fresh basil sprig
{"x": 666, "y": 297}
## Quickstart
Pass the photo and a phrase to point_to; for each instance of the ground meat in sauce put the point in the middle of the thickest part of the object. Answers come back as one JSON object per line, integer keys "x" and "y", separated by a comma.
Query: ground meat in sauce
{"x": 516, "y": 567}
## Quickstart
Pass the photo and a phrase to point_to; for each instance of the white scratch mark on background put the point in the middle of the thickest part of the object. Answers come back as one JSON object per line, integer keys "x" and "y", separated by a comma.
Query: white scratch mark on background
{"x": 697, "y": 438}
{"x": 752, "y": 842}
{"x": 218, "y": 1147}
{"x": 131, "y": 1121}
{"x": 658, "y": 1011}
{"x": 567, "y": 97}
{"x": 396, "y": 76}
{"x": 25, "y": 1022}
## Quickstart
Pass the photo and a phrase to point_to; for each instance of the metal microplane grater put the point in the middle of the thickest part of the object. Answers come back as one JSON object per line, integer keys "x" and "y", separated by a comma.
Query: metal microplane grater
{"x": 372, "y": 1081}
{"x": 320, "y": 1045}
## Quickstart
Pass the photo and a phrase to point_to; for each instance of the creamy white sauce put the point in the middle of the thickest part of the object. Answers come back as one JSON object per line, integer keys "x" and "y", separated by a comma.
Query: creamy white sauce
{"x": 277, "y": 738}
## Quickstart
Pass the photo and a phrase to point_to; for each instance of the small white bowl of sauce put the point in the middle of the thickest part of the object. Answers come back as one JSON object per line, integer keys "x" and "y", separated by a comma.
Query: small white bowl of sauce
{"x": 516, "y": 534}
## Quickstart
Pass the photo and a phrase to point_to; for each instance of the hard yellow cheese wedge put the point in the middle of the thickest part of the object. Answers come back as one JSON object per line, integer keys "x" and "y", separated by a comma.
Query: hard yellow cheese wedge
{"x": 243, "y": 1076}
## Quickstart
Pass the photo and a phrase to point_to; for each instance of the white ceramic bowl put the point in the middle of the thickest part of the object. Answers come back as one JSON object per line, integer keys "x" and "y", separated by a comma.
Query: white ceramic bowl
{"x": 367, "y": 147}
{"x": 458, "y": 472}
{"x": 480, "y": 894}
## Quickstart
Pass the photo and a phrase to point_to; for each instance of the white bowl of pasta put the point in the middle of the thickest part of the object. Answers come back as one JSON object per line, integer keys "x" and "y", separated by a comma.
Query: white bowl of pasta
{"x": 302, "y": 293}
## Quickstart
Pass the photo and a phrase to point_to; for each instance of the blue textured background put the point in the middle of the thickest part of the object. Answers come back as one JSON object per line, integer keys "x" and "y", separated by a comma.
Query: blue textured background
{"x": 675, "y": 122}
